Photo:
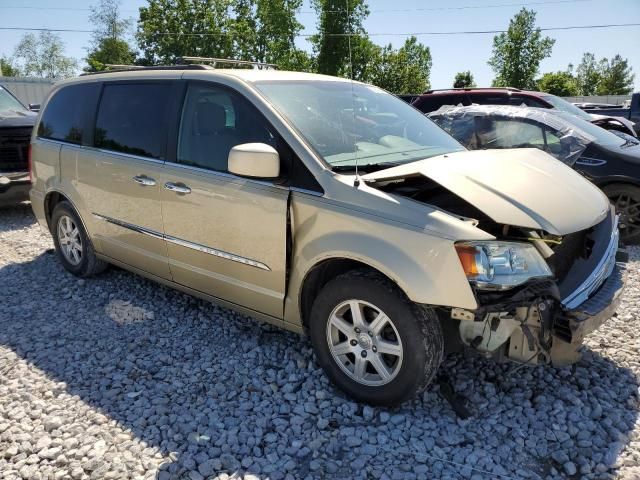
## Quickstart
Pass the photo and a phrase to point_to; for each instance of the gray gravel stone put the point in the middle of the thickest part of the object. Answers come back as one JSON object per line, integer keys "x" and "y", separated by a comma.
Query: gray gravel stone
{"x": 117, "y": 377}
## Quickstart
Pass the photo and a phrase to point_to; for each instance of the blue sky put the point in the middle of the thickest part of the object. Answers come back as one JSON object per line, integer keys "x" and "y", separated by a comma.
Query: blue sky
{"x": 450, "y": 53}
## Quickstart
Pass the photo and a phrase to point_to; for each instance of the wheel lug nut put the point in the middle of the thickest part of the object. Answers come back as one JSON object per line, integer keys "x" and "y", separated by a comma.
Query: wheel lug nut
{"x": 363, "y": 354}
{"x": 374, "y": 348}
{"x": 357, "y": 330}
{"x": 370, "y": 334}
{"x": 353, "y": 342}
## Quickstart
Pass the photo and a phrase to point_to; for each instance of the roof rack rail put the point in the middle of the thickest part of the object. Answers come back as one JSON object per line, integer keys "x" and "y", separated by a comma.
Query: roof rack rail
{"x": 137, "y": 68}
{"x": 511, "y": 89}
{"x": 214, "y": 61}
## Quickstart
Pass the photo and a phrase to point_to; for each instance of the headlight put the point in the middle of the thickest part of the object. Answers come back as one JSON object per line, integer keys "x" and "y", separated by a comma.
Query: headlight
{"x": 501, "y": 265}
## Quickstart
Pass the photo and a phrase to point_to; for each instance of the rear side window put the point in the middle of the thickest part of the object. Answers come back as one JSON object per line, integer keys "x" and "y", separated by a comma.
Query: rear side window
{"x": 132, "y": 118}
{"x": 67, "y": 113}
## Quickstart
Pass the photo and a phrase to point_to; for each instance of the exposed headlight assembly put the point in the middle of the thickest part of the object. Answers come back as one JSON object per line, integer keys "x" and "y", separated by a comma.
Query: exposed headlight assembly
{"x": 496, "y": 265}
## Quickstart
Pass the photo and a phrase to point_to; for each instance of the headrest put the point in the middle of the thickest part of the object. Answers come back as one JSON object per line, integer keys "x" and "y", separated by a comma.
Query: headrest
{"x": 210, "y": 118}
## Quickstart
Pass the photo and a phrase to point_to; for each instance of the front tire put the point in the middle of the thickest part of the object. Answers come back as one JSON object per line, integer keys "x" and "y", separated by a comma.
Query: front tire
{"x": 73, "y": 246}
{"x": 372, "y": 341}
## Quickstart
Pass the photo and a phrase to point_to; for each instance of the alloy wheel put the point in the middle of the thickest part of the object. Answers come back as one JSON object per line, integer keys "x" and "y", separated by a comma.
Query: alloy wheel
{"x": 70, "y": 240}
{"x": 364, "y": 342}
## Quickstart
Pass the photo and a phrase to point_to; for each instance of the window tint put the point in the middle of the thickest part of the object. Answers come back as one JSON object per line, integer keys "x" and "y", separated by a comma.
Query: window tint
{"x": 67, "y": 113}
{"x": 214, "y": 120}
{"x": 132, "y": 118}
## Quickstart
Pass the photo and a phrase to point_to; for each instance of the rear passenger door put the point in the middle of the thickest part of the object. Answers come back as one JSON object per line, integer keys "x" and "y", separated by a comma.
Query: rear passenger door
{"x": 120, "y": 176}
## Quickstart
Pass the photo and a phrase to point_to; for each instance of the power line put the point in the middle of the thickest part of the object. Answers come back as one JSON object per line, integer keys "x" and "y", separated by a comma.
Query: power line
{"x": 405, "y": 34}
{"x": 390, "y": 10}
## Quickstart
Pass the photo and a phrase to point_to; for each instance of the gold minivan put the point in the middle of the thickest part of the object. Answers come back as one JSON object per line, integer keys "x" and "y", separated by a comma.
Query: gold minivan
{"x": 329, "y": 207}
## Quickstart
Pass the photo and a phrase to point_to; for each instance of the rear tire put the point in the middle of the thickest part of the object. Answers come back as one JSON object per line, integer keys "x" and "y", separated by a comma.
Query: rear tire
{"x": 73, "y": 246}
{"x": 626, "y": 199}
{"x": 372, "y": 341}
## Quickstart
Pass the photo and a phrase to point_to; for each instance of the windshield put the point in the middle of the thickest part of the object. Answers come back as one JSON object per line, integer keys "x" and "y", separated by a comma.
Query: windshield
{"x": 348, "y": 123}
{"x": 564, "y": 106}
{"x": 602, "y": 136}
{"x": 7, "y": 102}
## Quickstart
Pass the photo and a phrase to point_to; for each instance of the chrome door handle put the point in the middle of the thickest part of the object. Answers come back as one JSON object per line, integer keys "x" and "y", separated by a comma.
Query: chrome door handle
{"x": 146, "y": 181}
{"x": 174, "y": 187}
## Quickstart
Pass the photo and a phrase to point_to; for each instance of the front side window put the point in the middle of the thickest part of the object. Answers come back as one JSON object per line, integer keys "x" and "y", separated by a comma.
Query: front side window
{"x": 67, "y": 113}
{"x": 214, "y": 120}
{"x": 132, "y": 118}
{"x": 351, "y": 123}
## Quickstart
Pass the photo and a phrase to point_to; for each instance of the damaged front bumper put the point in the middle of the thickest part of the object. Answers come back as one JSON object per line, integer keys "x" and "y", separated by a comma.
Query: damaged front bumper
{"x": 571, "y": 328}
{"x": 546, "y": 322}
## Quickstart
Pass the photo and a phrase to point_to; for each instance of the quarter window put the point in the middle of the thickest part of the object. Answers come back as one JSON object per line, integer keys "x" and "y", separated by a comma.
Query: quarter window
{"x": 214, "y": 120}
{"x": 67, "y": 113}
{"x": 132, "y": 118}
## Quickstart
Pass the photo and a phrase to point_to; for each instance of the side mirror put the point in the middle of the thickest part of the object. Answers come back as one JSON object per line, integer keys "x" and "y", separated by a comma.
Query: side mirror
{"x": 257, "y": 160}
{"x": 34, "y": 107}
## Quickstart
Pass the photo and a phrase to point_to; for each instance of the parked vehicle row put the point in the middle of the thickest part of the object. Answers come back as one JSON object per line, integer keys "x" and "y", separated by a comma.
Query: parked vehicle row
{"x": 329, "y": 207}
{"x": 433, "y": 100}
{"x": 610, "y": 161}
{"x": 628, "y": 113}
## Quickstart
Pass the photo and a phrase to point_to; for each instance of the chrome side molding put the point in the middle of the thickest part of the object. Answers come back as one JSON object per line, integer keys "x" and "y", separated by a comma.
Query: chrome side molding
{"x": 185, "y": 243}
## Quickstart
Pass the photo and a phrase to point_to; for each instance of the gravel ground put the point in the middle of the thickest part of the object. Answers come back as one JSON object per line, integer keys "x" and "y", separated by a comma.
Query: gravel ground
{"x": 117, "y": 377}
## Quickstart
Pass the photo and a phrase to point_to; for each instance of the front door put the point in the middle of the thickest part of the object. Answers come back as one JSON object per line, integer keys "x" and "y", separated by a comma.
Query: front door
{"x": 120, "y": 177}
{"x": 226, "y": 236}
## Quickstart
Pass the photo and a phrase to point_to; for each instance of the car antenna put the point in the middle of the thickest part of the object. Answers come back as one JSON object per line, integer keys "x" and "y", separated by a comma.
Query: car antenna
{"x": 356, "y": 182}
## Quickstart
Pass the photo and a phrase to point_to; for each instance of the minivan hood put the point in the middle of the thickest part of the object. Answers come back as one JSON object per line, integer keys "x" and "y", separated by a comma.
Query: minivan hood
{"x": 523, "y": 187}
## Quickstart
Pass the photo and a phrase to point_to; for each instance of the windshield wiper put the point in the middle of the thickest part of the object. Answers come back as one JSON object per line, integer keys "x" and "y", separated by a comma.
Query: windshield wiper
{"x": 367, "y": 167}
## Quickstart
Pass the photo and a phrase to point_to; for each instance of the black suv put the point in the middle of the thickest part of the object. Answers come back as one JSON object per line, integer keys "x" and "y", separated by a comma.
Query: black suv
{"x": 16, "y": 123}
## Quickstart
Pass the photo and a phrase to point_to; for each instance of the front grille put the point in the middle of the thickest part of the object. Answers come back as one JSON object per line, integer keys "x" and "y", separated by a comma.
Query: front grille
{"x": 14, "y": 144}
{"x": 593, "y": 262}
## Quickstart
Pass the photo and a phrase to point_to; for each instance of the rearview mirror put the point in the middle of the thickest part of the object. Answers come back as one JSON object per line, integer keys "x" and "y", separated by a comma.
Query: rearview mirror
{"x": 257, "y": 160}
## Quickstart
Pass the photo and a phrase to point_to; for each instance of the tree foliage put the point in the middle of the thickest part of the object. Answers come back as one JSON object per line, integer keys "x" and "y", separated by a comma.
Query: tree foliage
{"x": 464, "y": 80}
{"x": 563, "y": 84}
{"x": 110, "y": 51}
{"x": 616, "y": 77}
{"x": 518, "y": 52}
{"x": 43, "y": 56}
{"x": 168, "y": 29}
{"x": 588, "y": 75}
{"x": 109, "y": 44}
{"x": 338, "y": 21}
{"x": 7, "y": 68}
{"x": 405, "y": 70}
{"x": 257, "y": 30}
{"x": 276, "y": 28}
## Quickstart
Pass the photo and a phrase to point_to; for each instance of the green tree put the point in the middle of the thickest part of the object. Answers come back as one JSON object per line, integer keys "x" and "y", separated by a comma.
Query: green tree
{"x": 563, "y": 84}
{"x": 464, "y": 80}
{"x": 43, "y": 56}
{"x": 588, "y": 75}
{"x": 276, "y": 32}
{"x": 110, "y": 51}
{"x": 338, "y": 27}
{"x": 517, "y": 53}
{"x": 405, "y": 70}
{"x": 616, "y": 77}
{"x": 7, "y": 69}
{"x": 168, "y": 29}
{"x": 109, "y": 37}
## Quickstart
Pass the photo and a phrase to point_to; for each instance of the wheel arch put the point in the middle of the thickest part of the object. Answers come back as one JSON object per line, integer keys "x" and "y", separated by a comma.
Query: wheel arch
{"x": 323, "y": 272}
